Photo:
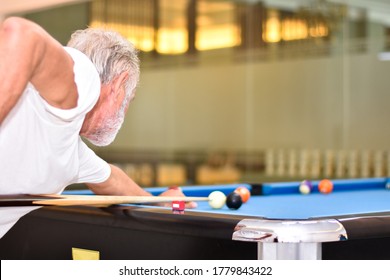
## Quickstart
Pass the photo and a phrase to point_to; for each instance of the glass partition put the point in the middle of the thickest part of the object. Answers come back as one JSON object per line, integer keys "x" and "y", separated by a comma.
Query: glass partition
{"x": 253, "y": 90}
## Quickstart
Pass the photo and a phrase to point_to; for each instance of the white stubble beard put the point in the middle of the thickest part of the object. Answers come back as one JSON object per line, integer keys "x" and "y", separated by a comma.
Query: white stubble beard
{"x": 106, "y": 134}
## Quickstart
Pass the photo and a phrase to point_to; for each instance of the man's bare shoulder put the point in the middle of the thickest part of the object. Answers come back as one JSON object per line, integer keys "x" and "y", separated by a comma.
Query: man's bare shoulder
{"x": 52, "y": 73}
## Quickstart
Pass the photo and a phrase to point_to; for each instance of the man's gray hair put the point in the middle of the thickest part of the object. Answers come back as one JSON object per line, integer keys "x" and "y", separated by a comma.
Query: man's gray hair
{"x": 110, "y": 53}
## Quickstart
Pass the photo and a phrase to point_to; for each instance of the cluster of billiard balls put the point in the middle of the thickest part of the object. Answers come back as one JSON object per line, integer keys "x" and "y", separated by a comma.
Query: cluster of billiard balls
{"x": 234, "y": 200}
{"x": 324, "y": 186}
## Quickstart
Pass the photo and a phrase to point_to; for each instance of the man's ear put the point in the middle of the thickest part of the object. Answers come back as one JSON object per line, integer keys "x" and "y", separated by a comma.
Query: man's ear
{"x": 119, "y": 81}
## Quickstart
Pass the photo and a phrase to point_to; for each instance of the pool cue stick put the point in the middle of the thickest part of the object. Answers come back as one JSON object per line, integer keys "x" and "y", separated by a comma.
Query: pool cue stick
{"x": 72, "y": 200}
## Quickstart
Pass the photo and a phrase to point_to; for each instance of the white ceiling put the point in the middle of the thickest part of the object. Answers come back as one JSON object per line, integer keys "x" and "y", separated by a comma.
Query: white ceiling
{"x": 377, "y": 10}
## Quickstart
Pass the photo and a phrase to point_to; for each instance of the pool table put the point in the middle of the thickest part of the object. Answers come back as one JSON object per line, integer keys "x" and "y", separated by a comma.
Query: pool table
{"x": 352, "y": 222}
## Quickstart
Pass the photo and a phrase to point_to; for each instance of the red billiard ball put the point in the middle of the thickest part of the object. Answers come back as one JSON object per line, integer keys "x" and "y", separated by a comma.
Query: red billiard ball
{"x": 233, "y": 201}
{"x": 325, "y": 186}
{"x": 244, "y": 193}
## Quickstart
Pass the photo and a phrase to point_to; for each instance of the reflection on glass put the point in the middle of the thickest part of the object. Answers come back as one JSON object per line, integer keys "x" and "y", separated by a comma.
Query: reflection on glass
{"x": 172, "y": 34}
{"x": 216, "y": 25}
{"x": 272, "y": 27}
{"x": 133, "y": 19}
{"x": 293, "y": 27}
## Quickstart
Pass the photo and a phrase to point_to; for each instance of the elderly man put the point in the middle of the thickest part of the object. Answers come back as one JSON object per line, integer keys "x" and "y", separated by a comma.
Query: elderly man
{"x": 52, "y": 95}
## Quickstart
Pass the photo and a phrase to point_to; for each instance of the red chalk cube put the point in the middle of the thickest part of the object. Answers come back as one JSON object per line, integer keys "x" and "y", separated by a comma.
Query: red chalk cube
{"x": 178, "y": 207}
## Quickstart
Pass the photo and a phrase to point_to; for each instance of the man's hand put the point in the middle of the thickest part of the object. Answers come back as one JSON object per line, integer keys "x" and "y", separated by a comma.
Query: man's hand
{"x": 176, "y": 191}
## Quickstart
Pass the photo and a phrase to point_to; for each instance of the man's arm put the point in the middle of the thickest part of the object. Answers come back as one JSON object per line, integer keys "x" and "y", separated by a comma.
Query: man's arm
{"x": 117, "y": 184}
{"x": 120, "y": 184}
{"x": 30, "y": 54}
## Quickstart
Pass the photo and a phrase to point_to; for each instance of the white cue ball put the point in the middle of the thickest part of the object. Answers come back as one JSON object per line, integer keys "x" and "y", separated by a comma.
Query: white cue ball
{"x": 304, "y": 189}
{"x": 217, "y": 199}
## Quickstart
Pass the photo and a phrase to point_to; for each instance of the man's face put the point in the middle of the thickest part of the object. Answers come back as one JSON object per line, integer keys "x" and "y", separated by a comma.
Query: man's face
{"x": 112, "y": 115}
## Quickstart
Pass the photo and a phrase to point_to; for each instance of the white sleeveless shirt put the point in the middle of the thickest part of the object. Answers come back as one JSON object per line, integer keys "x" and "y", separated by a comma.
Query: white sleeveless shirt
{"x": 41, "y": 151}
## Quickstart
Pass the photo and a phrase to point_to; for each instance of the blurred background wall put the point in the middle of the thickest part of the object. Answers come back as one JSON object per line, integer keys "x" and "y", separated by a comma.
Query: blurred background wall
{"x": 247, "y": 90}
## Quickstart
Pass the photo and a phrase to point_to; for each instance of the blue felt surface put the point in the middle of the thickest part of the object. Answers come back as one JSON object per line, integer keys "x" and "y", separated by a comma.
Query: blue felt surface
{"x": 297, "y": 206}
{"x": 283, "y": 200}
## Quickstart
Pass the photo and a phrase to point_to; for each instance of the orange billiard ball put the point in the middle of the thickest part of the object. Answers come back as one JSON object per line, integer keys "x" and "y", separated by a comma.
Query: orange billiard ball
{"x": 244, "y": 193}
{"x": 325, "y": 186}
